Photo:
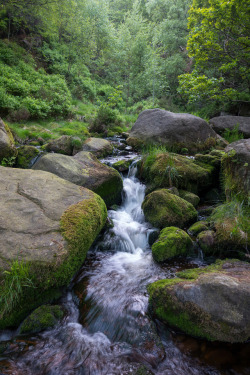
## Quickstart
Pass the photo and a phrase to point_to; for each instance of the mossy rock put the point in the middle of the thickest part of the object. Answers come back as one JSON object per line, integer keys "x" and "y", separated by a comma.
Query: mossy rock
{"x": 122, "y": 165}
{"x": 211, "y": 303}
{"x": 48, "y": 226}
{"x": 209, "y": 159}
{"x": 190, "y": 197}
{"x": 171, "y": 242}
{"x": 198, "y": 227}
{"x": 187, "y": 174}
{"x": 163, "y": 209}
{"x": 207, "y": 241}
{"x": 43, "y": 317}
{"x": 26, "y": 156}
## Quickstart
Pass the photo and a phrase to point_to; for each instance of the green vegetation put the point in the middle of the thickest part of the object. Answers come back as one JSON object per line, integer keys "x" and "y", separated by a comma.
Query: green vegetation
{"x": 12, "y": 286}
{"x": 233, "y": 135}
{"x": 43, "y": 317}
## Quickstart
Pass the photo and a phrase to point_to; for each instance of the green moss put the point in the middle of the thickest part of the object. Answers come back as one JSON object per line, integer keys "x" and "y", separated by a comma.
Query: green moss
{"x": 191, "y": 176}
{"x": 194, "y": 273}
{"x": 122, "y": 165}
{"x": 172, "y": 241}
{"x": 163, "y": 209}
{"x": 142, "y": 370}
{"x": 190, "y": 197}
{"x": 43, "y": 317}
{"x": 25, "y": 156}
{"x": 198, "y": 227}
{"x": 207, "y": 241}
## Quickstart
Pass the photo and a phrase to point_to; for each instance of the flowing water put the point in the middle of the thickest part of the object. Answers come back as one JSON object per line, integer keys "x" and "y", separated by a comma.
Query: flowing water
{"x": 106, "y": 329}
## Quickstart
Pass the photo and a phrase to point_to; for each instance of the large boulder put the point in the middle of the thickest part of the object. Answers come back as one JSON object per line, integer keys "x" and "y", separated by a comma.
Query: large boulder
{"x": 171, "y": 242}
{"x": 98, "y": 146}
{"x": 174, "y": 130}
{"x": 163, "y": 209}
{"x": 86, "y": 170}
{"x": 221, "y": 123}
{"x": 47, "y": 225}
{"x": 236, "y": 169}
{"x": 169, "y": 169}
{"x": 211, "y": 303}
{"x": 7, "y": 148}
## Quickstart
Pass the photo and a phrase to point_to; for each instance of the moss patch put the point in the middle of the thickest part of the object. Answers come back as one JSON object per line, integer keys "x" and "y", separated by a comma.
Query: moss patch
{"x": 26, "y": 154}
{"x": 172, "y": 241}
{"x": 163, "y": 209}
{"x": 198, "y": 227}
{"x": 44, "y": 317}
{"x": 190, "y": 197}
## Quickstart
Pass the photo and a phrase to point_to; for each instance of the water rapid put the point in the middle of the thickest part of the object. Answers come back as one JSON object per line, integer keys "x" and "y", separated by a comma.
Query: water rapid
{"x": 106, "y": 329}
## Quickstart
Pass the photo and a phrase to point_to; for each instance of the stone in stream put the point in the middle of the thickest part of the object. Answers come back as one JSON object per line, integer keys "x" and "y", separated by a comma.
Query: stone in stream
{"x": 211, "y": 302}
{"x": 174, "y": 130}
{"x": 86, "y": 170}
{"x": 7, "y": 144}
{"x": 26, "y": 156}
{"x": 163, "y": 209}
{"x": 222, "y": 123}
{"x": 171, "y": 242}
{"x": 98, "y": 146}
{"x": 47, "y": 226}
{"x": 169, "y": 169}
{"x": 65, "y": 145}
{"x": 42, "y": 318}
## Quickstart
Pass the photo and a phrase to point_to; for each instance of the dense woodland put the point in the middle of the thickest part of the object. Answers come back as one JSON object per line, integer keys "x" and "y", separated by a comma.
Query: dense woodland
{"x": 123, "y": 55}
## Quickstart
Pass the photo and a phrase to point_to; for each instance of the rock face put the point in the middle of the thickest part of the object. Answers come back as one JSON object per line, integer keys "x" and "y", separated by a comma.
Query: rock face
{"x": 98, "y": 146}
{"x": 171, "y": 242}
{"x": 163, "y": 209}
{"x": 176, "y": 130}
{"x": 62, "y": 145}
{"x": 212, "y": 303}
{"x": 84, "y": 169}
{"x": 49, "y": 224}
{"x": 7, "y": 148}
{"x": 236, "y": 169}
{"x": 221, "y": 123}
{"x": 168, "y": 169}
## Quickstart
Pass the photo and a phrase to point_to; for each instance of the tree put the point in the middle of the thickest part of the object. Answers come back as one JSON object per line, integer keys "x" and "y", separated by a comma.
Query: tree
{"x": 220, "y": 47}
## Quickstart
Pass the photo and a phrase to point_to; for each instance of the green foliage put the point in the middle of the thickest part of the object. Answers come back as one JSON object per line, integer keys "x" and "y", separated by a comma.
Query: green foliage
{"x": 8, "y": 162}
{"x": 219, "y": 43}
{"x": 233, "y": 135}
{"x": 12, "y": 286}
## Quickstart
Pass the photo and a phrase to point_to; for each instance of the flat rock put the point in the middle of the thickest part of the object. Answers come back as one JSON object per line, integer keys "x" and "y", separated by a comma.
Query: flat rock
{"x": 174, "y": 130}
{"x": 221, "y": 123}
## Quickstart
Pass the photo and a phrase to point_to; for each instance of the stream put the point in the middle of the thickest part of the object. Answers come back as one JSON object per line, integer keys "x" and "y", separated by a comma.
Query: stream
{"x": 106, "y": 329}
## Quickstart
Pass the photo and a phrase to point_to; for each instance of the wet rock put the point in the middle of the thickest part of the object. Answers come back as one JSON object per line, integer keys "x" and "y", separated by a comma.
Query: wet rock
{"x": 98, "y": 146}
{"x": 43, "y": 317}
{"x": 207, "y": 241}
{"x": 86, "y": 170}
{"x": 236, "y": 169}
{"x": 211, "y": 303}
{"x": 171, "y": 242}
{"x": 26, "y": 156}
{"x": 47, "y": 226}
{"x": 163, "y": 209}
{"x": 221, "y": 123}
{"x": 7, "y": 144}
{"x": 122, "y": 165}
{"x": 176, "y": 130}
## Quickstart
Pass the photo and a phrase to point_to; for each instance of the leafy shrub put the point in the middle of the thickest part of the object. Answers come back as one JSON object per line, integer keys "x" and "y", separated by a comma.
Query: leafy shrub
{"x": 233, "y": 135}
{"x": 105, "y": 119}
